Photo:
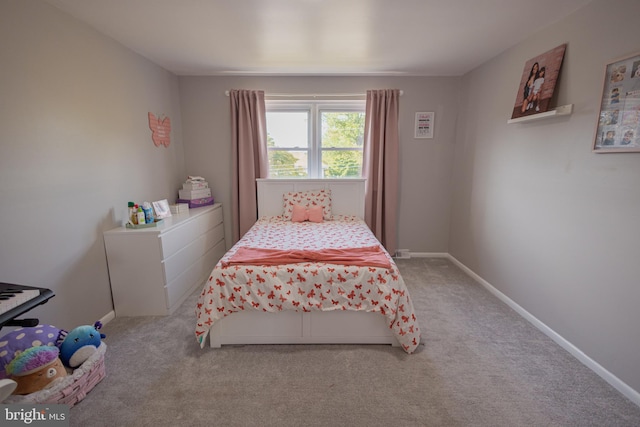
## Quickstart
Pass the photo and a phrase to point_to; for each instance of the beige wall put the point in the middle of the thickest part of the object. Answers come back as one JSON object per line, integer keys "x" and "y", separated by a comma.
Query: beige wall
{"x": 539, "y": 216}
{"x": 528, "y": 206}
{"x": 425, "y": 172}
{"x": 75, "y": 147}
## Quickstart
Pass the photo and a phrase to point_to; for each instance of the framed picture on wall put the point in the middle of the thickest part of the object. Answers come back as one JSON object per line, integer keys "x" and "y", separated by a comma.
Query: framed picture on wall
{"x": 618, "y": 127}
{"x": 538, "y": 83}
{"x": 424, "y": 125}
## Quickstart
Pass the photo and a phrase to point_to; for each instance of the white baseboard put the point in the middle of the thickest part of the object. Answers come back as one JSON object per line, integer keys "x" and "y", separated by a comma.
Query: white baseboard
{"x": 614, "y": 381}
{"x": 428, "y": 255}
{"x": 108, "y": 317}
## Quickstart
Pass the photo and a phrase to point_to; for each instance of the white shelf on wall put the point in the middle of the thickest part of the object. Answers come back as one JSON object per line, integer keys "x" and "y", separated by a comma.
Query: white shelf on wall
{"x": 563, "y": 110}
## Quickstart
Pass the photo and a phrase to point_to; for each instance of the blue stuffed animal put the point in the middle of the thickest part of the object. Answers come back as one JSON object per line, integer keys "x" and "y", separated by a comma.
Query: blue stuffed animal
{"x": 79, "y": 344}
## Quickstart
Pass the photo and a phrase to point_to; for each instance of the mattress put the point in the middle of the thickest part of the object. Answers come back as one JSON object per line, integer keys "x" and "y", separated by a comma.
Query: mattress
{"x": 308, "y": 285}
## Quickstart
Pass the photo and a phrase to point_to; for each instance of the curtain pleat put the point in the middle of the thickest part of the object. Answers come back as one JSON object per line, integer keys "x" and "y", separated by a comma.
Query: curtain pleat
{"x": 249, "y": 156}
{"x": 380, "y": 164}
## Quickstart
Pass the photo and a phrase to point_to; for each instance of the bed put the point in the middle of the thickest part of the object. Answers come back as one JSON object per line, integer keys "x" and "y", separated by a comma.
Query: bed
{"x": 271, "y": 287}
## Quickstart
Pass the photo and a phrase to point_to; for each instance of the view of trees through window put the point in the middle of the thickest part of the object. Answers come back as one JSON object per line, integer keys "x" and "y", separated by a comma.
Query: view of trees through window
{"x": 315, "y": 141}
{"x": 341, "y": 141}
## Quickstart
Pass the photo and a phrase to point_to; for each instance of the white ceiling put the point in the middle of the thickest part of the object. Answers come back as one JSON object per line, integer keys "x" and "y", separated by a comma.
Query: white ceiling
{"x": 319, "y": 37}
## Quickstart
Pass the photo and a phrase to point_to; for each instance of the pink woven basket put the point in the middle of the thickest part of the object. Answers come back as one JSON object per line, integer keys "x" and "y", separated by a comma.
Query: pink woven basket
{"x": 72, "y": 388}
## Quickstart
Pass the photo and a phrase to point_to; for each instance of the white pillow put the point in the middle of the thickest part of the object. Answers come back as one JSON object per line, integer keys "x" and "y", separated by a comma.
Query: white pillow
{"x": 308, "y": 199}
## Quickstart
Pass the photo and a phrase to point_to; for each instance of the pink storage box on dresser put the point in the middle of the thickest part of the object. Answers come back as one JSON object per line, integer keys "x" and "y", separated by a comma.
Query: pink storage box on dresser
{"x": 195, "y": 192}
{"x": 197, "y": 203}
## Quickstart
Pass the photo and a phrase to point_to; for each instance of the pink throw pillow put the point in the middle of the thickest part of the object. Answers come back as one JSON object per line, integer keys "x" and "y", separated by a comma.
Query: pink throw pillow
{"x": 299, "y": 213}
{"x": 314, "y": 214}
{"x": 302, "y": 213}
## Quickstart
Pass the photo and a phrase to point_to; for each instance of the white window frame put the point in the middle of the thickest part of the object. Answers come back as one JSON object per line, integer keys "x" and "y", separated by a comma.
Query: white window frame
{"x": 314, "y": 108}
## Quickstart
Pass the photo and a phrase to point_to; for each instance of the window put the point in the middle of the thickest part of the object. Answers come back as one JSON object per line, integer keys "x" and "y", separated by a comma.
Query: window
{"x": 319, "y": 139}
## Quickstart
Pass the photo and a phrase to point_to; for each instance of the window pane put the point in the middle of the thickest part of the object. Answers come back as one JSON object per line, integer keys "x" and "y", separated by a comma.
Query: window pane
{"x": 288, "y": 129}
{"x": 342, "y": 164}
{"x": 288, "y": 164}
{"x": 312, "y": 139}
{"x": 342, "y": 129}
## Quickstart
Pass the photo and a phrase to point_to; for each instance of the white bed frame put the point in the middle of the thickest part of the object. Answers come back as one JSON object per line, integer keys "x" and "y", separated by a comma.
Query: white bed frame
{"x": 316, "y": 327}
{"x": 347, "y": 195}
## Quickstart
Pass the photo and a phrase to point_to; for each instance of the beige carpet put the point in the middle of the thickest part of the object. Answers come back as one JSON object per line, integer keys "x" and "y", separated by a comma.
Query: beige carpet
{"x": 481, "y": 365}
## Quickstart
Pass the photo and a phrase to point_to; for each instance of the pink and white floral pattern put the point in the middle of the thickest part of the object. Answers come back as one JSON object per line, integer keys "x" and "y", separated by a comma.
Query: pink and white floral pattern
{"x": 307, "y": 199}
{"x": 308, "y": 286}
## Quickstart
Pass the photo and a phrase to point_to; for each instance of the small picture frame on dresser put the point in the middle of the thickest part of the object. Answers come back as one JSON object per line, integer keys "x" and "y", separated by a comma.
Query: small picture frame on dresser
{"x": 161, "y": 208}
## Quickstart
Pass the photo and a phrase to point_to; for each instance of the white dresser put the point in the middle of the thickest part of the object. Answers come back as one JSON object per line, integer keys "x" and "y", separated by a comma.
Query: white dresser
{"x": 153, "y": 270}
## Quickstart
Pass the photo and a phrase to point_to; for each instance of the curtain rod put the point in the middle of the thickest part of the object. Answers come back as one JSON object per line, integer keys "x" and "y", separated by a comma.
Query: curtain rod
{"x": 312, "y": 95}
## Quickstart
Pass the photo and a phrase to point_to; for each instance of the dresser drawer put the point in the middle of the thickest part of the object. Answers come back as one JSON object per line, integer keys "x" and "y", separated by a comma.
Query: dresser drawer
{"x": 218, "y": 252}
{"x": 178, "y": 262}
{"x": 176, "y": 290}
{"x": 181, "y": 260}
{"x": 194, "y": 276}
{"x": 210, "y": 220}
{"x": 213, "y": 236}
{"x": 178, "y": 238}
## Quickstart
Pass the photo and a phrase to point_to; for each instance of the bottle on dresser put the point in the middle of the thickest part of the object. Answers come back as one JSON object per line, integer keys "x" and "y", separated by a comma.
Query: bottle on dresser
{"x": 140, "y": 216}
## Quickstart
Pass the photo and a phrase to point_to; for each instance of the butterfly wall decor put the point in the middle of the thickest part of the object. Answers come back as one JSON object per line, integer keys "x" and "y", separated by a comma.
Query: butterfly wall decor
{"x": 160, "y": 130}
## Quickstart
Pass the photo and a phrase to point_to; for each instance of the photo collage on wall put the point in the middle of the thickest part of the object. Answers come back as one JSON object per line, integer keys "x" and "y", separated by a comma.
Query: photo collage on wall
{"x": 619, "y": 120}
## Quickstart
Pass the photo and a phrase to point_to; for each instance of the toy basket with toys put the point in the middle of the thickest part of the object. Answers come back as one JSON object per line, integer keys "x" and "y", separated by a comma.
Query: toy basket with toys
{"x": 72, "y": 388}
{"x": 44, "y": 364}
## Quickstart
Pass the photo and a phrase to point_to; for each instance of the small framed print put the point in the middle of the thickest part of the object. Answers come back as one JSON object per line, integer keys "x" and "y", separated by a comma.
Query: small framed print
{"x": 424, "y": 125}
{"x": 161, "y": 207}
{"x": 618, "y": 127}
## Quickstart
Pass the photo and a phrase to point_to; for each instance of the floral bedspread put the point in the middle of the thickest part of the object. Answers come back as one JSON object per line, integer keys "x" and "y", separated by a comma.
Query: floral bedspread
{"x": 308, "y": 286}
